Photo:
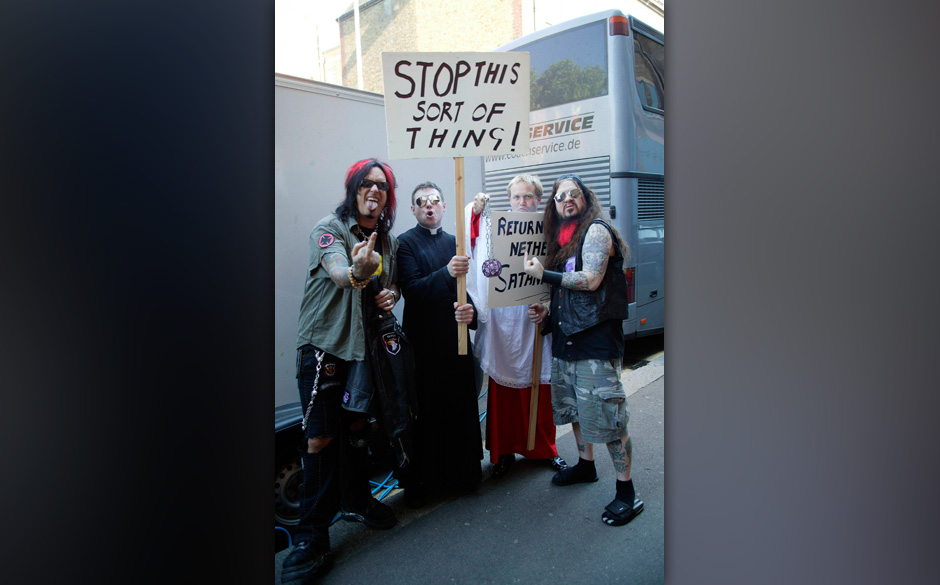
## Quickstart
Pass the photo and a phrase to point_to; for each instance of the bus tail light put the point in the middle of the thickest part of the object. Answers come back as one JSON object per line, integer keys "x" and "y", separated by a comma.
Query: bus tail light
{"x": 631, "y": 289}
{"x": 619, "y": 25}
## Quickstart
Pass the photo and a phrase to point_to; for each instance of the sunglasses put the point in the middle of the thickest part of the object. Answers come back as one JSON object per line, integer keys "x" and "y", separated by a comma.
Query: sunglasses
{"x": 367, "y": 184}
{"x": 574, "y": 193}
{"x": 422, "y": 200}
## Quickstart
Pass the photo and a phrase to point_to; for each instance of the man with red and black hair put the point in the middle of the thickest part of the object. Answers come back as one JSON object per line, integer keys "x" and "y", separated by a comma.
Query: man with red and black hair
{"x": 349, "y": 250}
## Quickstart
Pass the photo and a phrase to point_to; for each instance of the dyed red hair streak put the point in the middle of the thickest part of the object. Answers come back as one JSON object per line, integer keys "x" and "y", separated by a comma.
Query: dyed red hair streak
{"x": 354, "y": 175}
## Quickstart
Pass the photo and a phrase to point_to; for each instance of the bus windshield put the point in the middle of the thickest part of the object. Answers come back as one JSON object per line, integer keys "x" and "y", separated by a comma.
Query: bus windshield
{"x": 568, "y": 67}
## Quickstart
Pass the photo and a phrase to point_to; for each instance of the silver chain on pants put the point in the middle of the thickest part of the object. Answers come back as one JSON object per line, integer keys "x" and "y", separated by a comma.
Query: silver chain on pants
{"x": 313, "y": 392}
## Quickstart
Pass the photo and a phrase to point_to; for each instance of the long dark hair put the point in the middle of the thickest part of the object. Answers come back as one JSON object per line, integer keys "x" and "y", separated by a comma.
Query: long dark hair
{"x": 556, "y": 254}
{"x": 354, "y": 175}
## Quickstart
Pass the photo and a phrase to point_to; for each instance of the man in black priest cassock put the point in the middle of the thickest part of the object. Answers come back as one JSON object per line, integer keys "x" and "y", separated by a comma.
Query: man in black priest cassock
{"x": 448, "y": 442}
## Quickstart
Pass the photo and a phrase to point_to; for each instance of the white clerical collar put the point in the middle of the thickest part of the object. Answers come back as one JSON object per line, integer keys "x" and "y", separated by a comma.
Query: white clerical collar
{"x": 432, "y": 231}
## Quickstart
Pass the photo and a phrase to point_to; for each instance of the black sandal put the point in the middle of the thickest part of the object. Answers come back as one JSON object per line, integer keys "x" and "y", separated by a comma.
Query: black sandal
{"x": 617, "y": 513}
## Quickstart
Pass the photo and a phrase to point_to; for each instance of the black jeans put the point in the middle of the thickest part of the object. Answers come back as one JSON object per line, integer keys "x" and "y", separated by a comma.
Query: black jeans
{"x": 338, "y": 473}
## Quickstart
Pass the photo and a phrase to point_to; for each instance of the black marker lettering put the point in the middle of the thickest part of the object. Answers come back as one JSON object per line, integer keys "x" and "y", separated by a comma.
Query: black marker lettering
{"x": 515, "y": 74}
{"x": 420, "y": 107}
{"x": 498, "y": 140}
{"x": 414, "y": 133}
{"x": 439, "y": 137}
{"x": 491, "y": 72}
{"x": 450, "y": 79}
{"x": 458, "y": 74}
{"x": 424, "y": 73}
{"x": 476, "y": 139}
{"x": 479, "y": 65}
{"x": 495, "y": 111}
{"x": 406, "y": 77}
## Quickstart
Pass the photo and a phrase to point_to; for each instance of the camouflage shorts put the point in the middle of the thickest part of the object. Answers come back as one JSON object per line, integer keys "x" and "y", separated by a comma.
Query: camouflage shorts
{"x": 589, "y": 392}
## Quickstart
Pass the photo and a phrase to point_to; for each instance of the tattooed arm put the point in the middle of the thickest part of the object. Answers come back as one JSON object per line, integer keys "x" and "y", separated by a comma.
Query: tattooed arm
{"x": 365, "y": 261}
{"x": 598, "y": 246}
{"x": 336, "y": 266}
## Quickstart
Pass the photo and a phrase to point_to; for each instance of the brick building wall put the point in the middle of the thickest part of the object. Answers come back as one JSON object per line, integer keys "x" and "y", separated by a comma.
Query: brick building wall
{"x": 423, "y": 25}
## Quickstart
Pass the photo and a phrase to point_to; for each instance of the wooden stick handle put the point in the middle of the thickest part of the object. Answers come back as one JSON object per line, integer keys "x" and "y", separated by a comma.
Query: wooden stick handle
{"x": 536, "y": 382}
{"x": 461, "y": 230}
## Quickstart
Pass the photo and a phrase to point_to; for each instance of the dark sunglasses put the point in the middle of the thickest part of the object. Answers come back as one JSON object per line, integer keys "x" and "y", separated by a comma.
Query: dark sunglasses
{"x": 422, "y": 200}
{"x": 574, "y": 193}
{"x": 367, "y": 184}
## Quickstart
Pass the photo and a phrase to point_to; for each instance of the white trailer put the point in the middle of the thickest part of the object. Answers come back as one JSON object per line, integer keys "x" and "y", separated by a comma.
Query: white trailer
{"x": 319, "y": 131}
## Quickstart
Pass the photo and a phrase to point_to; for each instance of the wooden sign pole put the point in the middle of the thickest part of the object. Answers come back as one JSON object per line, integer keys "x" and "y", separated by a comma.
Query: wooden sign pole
{"x": 536, "y": 382}
{"x": 461, "y": 230}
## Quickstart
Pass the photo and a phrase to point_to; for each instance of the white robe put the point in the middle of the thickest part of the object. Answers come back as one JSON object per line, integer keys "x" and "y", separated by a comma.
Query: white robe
{"x": 505, "y": 338}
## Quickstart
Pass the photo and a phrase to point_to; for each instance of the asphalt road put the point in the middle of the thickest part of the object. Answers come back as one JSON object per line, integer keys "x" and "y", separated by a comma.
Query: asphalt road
{"x": 521, "y": 528}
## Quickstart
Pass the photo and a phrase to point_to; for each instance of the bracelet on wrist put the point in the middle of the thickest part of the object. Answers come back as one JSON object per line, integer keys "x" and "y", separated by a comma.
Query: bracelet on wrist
{"x": 355, "y": 282}
{"x": 551, "y": 277}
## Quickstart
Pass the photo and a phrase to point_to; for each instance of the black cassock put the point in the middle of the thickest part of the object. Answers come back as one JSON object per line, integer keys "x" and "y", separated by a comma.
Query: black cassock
{"x": 448, "y": 442}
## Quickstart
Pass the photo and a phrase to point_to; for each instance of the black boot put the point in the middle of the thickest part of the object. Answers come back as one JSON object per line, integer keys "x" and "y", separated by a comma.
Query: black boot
{"x": 583, "y": 472}
{"x": 358, "y": 505}
{"x": 502, "y": 465}
{"x": 304, "y": 561}
{"x": 319, "y": 502}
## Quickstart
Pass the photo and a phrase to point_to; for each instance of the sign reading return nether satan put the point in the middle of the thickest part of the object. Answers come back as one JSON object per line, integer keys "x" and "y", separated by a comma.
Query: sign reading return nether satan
{"x": 516, "y": 233}
{"x": 456, "y": 104}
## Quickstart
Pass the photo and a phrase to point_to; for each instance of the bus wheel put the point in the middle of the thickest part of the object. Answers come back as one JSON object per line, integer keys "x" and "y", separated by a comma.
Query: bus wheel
{"x": 287, "y": 485}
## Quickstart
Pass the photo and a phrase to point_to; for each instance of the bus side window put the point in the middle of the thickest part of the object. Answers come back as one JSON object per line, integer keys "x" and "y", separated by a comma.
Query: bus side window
{"x": 648, "y": 66}
{"x": 648, "y": 95}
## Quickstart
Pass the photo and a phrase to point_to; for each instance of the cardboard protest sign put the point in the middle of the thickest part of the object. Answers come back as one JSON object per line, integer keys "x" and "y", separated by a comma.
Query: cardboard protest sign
{"x": 456, "y": 104}
{"x": 516, "y": 233}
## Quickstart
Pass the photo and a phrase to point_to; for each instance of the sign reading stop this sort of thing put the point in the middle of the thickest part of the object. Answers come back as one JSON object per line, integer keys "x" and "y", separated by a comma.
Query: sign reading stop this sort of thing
{"x": 456, "y": 104}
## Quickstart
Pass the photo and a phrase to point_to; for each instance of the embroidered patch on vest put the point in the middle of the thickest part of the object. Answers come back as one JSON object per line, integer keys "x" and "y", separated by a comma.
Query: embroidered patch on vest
{"x": 346, "y": 397}
{"x": 325, "y": 240}
{"x": 570, "y": 264}
{"x": 330, "y": 369}
{"x": 392, "y": 346}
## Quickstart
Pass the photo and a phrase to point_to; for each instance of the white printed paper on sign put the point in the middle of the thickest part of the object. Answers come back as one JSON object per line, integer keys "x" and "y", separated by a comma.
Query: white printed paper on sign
{"x": 516, "y": 233}
{"x": 456, "y": 104}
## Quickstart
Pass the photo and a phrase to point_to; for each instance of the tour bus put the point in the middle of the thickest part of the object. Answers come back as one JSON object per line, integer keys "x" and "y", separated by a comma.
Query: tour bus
{"x": 597, "y": 110}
